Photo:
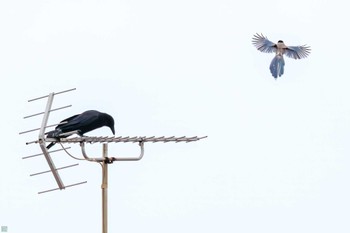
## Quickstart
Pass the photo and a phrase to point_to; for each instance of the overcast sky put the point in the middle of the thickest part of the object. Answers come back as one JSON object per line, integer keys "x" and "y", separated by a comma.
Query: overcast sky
{"x": 277, "y": 154}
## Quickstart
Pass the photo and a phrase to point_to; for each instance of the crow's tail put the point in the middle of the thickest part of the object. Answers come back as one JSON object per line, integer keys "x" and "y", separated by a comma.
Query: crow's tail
{"x": 53, "y": 134}
{"x": 50, "y": 145}
{"x": 277, "y": 66}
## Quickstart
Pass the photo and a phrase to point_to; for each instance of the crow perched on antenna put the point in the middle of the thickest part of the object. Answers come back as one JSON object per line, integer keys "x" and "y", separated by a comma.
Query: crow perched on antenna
{"x": 277, "y": 64}
{"x": 83, "y": 123}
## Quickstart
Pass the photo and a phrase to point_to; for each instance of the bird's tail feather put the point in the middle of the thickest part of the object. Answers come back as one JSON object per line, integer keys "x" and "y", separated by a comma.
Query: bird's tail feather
{"x": 50, "y": 145}
{"x": 277, "y": 66}
{"x": 54, "y": 133}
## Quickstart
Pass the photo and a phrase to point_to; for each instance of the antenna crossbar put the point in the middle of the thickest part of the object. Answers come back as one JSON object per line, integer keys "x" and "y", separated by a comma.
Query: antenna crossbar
{"x": 60, "y": 168}
{"x": 67, "y": 186}
{"x": 125, "y": 139}
{"x": 52, "y": 151}
{"x": 56, "y": 93}
{"x": 51, "y": 110}
{"x": 32, "y": 130}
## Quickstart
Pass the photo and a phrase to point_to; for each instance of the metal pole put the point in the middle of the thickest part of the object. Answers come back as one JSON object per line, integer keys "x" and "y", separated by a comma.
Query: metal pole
{"x": 43, "y": 144}
{"x": 104, "y": 187}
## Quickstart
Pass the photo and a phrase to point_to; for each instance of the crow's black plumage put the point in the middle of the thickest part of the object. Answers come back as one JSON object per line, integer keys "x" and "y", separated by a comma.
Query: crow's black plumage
{"x": 83, "y": 123}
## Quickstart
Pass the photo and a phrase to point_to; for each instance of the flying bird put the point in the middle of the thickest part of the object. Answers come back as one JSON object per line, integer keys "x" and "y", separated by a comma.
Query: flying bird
{"x": 83, "y": 123}
{"x": 277, "y": 64}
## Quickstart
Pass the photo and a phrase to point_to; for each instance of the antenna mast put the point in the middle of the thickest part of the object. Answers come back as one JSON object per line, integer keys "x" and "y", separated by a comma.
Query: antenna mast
{"x": 105, "y": 160}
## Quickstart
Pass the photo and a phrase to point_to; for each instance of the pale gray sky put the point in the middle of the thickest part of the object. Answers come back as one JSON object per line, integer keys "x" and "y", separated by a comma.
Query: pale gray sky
{"x": 276, "y": 159}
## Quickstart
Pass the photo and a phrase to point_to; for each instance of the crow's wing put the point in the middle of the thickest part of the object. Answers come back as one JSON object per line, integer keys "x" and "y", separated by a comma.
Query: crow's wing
{"x": 263, "y": 44}
{"x": 84, "y": 122}
{"x": 65, "y": 120}
{"x": 297, "y": 52}
{"x": 69, "y": 118}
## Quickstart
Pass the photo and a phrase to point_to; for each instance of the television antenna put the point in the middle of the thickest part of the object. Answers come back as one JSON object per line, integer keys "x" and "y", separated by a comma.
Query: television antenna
{"x": 104, "y": 161}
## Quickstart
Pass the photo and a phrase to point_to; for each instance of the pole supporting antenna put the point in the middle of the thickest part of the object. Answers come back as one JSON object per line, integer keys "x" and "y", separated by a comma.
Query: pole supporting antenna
{"x": 105, "y": 160}
{"x": 104, "y": 188}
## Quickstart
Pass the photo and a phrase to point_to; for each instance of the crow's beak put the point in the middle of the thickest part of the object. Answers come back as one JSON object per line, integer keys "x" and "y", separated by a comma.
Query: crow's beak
{"x": 112, "y": 128}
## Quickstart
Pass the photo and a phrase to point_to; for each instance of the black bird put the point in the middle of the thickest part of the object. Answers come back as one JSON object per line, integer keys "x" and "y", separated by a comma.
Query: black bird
{"x": 83, "y": 123}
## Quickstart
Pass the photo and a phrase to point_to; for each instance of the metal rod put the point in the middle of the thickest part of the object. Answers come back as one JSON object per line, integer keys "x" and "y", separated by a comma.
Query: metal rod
{"x": 42, "y": 97}
{"x": 129, "y": 139}
{"x": 60, "y": 168}
{"x": 104, "y": 188}
{"x": 111, "y": 159}
{"x": 68, "y": 186}
{"x": 31, "y": 156}
{"x": 141, "y": 144}
{"x": 82, "y": 145}
{"x": 40, "y": 128}
{"x": 52, "y": 110}
{"x": 43, "y": 144}
{"x": 36, "y": 141}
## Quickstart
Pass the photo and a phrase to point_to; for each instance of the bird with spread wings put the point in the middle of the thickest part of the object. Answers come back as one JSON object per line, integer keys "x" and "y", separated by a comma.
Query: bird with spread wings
{"x": 277, "y": 64}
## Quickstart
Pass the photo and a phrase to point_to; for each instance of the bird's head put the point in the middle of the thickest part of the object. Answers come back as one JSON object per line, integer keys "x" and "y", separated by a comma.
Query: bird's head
{"x": 280, "y": 41}
{"x": 110, "y": 122}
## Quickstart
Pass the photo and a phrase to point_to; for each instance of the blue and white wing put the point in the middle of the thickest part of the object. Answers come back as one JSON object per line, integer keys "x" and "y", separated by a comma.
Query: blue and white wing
{"x": 297, "y": 52}
{"x": 263, "y": 44}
